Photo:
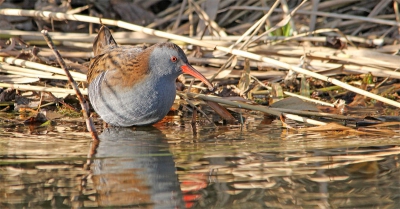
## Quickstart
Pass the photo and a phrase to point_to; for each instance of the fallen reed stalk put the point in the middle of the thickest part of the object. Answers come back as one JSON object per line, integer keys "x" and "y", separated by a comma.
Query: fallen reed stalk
{"x": 41, "y": 88}
{"x": 41, "y": 67}
{"x": 6, "y": 68}
{"x": 251, "y": 107}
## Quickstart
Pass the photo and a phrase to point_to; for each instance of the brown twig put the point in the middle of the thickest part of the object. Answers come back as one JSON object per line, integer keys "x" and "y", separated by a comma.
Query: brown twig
{"x": 85, "y": 107}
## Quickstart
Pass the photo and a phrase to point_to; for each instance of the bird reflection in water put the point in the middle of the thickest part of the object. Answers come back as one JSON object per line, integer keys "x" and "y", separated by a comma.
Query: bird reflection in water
{"x": 133, "y": 167}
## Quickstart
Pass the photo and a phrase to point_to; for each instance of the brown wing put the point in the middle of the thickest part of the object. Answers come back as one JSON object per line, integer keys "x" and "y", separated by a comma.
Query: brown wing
{"x": 126, "y": 65}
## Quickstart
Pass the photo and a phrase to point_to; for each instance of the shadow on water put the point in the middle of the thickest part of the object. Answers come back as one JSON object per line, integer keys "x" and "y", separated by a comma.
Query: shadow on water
{"x": 172, "y": 167}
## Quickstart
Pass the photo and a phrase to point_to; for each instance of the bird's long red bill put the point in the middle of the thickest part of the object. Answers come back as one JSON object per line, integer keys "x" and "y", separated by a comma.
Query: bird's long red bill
{"x": 193, "y": 72}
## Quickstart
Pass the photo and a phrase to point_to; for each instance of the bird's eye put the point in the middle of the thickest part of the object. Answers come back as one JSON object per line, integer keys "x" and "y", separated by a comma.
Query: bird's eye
{"x": 174, "y": 59}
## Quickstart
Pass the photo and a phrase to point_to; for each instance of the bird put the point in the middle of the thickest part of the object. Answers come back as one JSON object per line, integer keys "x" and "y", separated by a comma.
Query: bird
{"x": 135, "y": 85}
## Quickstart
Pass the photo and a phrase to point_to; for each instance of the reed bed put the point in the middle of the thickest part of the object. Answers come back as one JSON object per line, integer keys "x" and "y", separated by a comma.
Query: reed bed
{"x": 250, "y": 49}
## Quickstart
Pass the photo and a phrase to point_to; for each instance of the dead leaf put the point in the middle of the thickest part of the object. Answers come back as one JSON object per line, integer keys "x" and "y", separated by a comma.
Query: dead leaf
{"x": 222, "y": 111}
{"x": 328, "y": 127}
{"x": 294, "y": 103}
{"x": 358, "y": 101}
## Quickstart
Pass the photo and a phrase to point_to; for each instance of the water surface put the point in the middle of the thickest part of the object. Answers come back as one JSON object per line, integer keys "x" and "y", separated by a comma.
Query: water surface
{"x": 170, "y": 166}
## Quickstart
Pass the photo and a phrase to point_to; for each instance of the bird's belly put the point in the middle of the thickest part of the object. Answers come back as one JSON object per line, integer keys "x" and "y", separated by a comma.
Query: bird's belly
{"x": 144, "y": 104}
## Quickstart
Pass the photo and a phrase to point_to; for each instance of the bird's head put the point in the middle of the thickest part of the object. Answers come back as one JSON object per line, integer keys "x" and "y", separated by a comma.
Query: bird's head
{"x": 168, "y": 59}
